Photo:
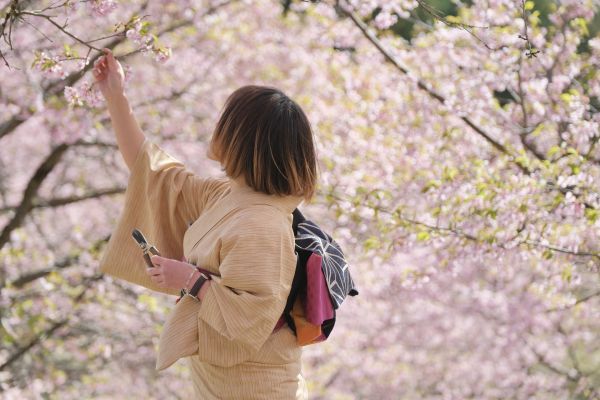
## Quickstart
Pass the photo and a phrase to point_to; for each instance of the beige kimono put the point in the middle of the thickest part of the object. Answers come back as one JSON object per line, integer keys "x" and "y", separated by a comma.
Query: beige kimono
{"x": 243, "y": 236}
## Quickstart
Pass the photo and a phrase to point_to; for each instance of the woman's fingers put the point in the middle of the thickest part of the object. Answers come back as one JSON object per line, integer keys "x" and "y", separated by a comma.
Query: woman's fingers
{"x": 153, "y": 271}
{"x": 99, "y": 61}
{"x": 99, "y": 74}
{"x": 156, "y": 275}
{"x": 156, "y": 260}
{"x": 100, "y": 68}
{"x": 110, "y": 58}
{"x": 101, "y": 64}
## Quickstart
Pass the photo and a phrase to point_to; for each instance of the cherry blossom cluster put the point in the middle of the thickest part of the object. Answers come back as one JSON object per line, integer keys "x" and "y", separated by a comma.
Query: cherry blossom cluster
{"x": 140, "y": 34}
{"x": 84, "y": 94}
{"x": 49, "y": 65}
{"x": 103, "y": 7}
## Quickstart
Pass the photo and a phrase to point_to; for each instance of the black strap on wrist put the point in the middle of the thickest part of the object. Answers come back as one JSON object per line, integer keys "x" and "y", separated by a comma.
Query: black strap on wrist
{"x": 198, "y": 284}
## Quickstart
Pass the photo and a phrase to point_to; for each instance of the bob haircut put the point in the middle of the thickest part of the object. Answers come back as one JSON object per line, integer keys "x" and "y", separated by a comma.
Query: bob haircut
{"x": 265, "y": 136}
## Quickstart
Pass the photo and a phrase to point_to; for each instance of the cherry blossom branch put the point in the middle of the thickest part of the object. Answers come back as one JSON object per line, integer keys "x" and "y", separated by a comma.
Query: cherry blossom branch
{"x": 30, "y": 193}
{"x": 8, "y": 20}
{"x": 183, "y": 23}
{"x": 553, "y": 103}
{"x": 438, "y": 15}
{"x": 371, "y": 37}
{"x": 531, "y": 52}
{"x": 22, "y": 350}
{"x": 61, "y": 28}
{"x": 570, "y": 351}
{"x": 10, "y": 125}
{"x": 61, "y": 201}
{"x": 578, "y": 301}
{"x": 521, "y": 99}
{"x": 31, "y": 190}
{"x": 16, "y": 14}
{"x": 77, "y": 301}
{"x": 174, "y": 95}
{"x": 420, "y": 84}
{"x": 462, "y": 234}
{"x": 557, "y": 370}
{"x": 56, "y": 88}
{"x": 67, "y": 262}
{"x": 562, "y": 250}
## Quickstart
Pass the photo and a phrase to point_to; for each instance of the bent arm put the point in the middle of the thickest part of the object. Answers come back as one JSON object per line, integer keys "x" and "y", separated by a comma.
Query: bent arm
{"x": 127, "y": 130}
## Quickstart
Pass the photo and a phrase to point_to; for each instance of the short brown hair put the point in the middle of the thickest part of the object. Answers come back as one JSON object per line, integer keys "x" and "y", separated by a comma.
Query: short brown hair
{"x": 265, "y": 136}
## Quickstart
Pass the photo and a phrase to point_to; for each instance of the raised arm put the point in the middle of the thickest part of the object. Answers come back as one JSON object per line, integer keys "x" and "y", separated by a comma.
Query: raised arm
{"x": 110, "y": 78}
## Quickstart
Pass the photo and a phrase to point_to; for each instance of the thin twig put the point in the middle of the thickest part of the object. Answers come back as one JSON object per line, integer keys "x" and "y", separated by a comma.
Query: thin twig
{"x": 578, "y": 301}
{"x": 61, "y": 28}
{"x": 531, "y": 52}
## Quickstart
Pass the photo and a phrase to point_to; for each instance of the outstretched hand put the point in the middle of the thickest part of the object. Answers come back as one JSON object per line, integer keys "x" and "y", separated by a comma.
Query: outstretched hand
{"x": 109, "y": 75}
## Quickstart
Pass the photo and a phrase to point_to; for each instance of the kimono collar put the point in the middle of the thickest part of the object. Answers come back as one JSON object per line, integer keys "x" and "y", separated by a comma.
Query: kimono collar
{"x": 239, "y": 188}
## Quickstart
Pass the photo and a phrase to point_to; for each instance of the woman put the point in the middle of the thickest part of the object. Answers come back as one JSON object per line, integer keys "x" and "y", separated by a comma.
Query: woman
{"x": 238, "y": 227}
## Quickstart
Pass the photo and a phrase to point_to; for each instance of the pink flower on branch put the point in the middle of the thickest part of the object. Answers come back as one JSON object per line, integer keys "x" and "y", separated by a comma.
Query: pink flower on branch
{"x": 83, "y": 95}
{"x": 103, "y": 7}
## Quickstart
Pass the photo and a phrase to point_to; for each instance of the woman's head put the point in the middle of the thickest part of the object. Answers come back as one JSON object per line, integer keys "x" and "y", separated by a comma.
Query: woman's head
{"x": 265, "y": 137}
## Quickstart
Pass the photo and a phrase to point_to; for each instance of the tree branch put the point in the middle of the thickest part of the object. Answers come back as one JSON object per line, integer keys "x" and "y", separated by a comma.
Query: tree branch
{"x": 579, "y": 301}
{"x": 22, "y": 350}
{"x": 67, "y": 262}
{"x": 56, "y": 88}
{"x": 371, "y": 37}
{"x": 61, "y": 201}
{"x": 31, "y": 190}
{"x": 365, "y": 30}
{"x": 460, "y": 233}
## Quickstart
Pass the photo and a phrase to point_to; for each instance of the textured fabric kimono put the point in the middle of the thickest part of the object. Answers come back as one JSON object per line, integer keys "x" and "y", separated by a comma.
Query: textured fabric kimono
{"x": 246, "y": 239}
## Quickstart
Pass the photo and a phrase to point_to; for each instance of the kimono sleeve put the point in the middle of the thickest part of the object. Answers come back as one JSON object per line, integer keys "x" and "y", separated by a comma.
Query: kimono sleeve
{"x": 240, "y": 310}
{"x": 162, "y": 198}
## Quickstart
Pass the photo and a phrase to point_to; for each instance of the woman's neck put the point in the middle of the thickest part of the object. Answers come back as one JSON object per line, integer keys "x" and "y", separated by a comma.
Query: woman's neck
{"x": 239, "y": 182}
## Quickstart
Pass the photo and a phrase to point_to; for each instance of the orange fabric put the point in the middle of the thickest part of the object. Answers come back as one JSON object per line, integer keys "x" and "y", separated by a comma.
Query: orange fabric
{"x": 306, "y": 333}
